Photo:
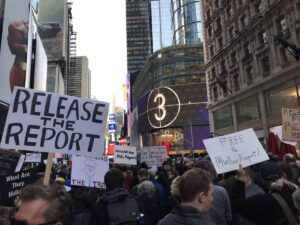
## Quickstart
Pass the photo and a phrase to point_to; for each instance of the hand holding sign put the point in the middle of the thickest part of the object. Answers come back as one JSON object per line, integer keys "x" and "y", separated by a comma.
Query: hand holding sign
{"x": 229, "y": 151}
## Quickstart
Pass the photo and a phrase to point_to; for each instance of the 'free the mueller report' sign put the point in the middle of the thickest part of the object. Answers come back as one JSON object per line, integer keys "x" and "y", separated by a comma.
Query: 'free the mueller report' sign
{"x": 49, "y": 122}
{"x": 290, "y": 124}
{"x": 229, "y": 151}
{"x": 125, "y": 155}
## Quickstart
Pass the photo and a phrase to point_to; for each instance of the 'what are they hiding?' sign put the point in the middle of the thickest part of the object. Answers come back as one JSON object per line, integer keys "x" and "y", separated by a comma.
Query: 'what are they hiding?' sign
{"x": 229, "y": 151}
{"x": 49, "y": 122}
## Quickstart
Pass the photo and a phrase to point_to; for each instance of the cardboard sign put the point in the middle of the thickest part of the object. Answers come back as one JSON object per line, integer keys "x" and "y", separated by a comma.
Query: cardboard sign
{"x": 11, "y": 186}
{"x": 8, "y": 161}
{"x": 48, "y": 122}
{"x": 229, "y": 151}
{"x": 33, "y": 157}
{"x": 89, "y": 171}
{"x": 290, "y": 124}
{"x": 154, "y": 155}
{"x": 125, "y": 155}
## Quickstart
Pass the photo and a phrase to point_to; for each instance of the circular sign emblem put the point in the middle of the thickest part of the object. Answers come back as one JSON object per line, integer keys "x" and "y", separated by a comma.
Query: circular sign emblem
{"x": 163, "y": 107}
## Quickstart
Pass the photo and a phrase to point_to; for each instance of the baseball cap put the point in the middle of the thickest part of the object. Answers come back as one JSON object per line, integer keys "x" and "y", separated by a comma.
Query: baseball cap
{"x": 270, "y": 171}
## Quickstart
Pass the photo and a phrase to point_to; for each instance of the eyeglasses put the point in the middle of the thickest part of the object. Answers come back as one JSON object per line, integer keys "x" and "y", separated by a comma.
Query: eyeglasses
{"x": 14, "y": 221}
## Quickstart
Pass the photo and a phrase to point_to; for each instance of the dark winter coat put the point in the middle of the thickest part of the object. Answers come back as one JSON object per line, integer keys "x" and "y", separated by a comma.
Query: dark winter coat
{"x": 263, "y": 209}
{"x": 185, "y": 215}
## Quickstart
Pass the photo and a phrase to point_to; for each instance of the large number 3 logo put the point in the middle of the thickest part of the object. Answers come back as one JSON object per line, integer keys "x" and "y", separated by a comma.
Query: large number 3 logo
{"x": 161, "y": 107}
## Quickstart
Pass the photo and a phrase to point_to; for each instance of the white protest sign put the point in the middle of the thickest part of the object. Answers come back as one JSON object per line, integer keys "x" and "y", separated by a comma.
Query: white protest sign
{"x": 33, "y": 157}
{"x": 125, "y": 155}
{"x": 228, "y": 151}
{"x": 89, "y": 171}
{"x": 290, "y": 124}
{"x": 154, "y": 155}
{"x": 49, "y": 122}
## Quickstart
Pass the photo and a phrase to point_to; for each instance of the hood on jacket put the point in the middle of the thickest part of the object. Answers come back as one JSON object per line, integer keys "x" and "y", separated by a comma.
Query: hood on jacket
{"x": 114, "y": 195}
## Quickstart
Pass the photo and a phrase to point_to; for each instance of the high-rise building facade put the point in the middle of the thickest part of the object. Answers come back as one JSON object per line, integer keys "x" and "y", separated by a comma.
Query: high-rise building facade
{"x": 139, "y": 40}
{"x": 80, "y": 84}
{"x": 250, "y": 73}
{"x": 186, "y": 22}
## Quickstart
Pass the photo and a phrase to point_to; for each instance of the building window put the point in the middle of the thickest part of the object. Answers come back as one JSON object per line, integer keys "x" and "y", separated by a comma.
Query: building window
{"x": 265, "y": 64}
{"x": 249, "y": 75}
{"x": 220, "y": 40}
{"x": 216, "y": 4}
{"x": 223, "y": 67}
{"x": 236, "y": 82}
{"x": 230, "y": 33}
{"x": 218, "y": 24}
{"x": 223, "y": 117}
{"x": 212, "y": 51}
{"x": 233, "y": 58}
{"x": 208, "y": 15}
{"x": 215, "y": 93}
{"x": 282, "y": 25}
{"x": 209, "y": 32}
{"x": 286, "y": 57}
{"x": 282, "y": 96}
{"x": 248, "y": 110}
{"x": 262, "y": 38}
{"x": 213, "y": 73}
{"x": 246, "y": 49}
{"x": 244, "y": 21}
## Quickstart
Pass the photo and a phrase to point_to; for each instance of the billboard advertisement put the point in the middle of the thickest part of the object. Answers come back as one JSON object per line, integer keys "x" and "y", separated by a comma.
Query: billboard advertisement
{"x": 173, "y": 106}
{"x": 52, "y": 27}
{"x": 14, "y": 22}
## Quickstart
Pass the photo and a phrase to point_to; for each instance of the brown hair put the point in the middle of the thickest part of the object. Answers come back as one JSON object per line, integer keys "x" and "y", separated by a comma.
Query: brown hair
{"x": 60, "y": 205}
{"x": 192, "y": 182}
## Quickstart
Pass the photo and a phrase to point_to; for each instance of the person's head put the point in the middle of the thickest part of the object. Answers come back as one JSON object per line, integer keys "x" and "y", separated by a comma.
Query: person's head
{"x": 175, "y": 186}
{"x": 143, "y": 175}
{"x": 39, "y": 204}
{"x": 146, "y": 189}
{"x": 195, "y": 188}
{"x": 167, "y": 165}
{"x": 113, "y": 179}
{"x": 270, "y": 171}
{"x": 207, "y": 166}
{"x": 296, "y": 199}
{"x": 289, "y": 159}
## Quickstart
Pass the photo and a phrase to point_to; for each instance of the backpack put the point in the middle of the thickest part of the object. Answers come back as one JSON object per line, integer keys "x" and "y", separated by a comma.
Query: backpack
{"x": 123, "y": 212}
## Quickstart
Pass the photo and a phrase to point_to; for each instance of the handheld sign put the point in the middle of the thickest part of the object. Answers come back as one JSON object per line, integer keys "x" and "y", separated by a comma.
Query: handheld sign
{"x": 89, "y": 171}
{"x": 48, "y": 122}
{"x": 228, "y": 151}
{"x": 33, "y": 157}
{"x": 290, "y": 124}
{"x": 125, "y": 155}
{"x": 8, "y": 161}
{"x": 154, "y": 155}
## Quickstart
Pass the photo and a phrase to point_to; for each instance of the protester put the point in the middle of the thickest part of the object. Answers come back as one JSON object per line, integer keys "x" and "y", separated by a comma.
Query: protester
{"x": 296, "y": 199}
{"x": 265, "y": 209}
{"x": 43, "y": 205}
{"x": 116, "y": 204}
{"x": 220, "y": 210}
{"x": 195, "y": 188}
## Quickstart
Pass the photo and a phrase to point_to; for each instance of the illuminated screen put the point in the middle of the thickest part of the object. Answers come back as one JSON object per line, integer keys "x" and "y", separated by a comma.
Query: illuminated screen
{"x": 173, "y": 106}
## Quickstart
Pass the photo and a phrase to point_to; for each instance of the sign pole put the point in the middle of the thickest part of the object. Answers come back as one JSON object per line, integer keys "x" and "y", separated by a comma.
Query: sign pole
{"x": 48, "y": 169}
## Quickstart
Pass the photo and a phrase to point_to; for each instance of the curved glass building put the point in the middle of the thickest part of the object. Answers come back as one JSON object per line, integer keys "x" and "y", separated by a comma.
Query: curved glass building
{"x": 186, "y": 21}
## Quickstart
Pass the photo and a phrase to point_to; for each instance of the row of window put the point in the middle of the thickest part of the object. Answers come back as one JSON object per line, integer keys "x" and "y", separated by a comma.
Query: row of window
{"x": 282, "y": 96}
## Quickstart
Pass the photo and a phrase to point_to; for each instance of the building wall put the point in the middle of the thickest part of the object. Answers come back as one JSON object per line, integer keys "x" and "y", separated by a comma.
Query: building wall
{"x": 250, "y": 74}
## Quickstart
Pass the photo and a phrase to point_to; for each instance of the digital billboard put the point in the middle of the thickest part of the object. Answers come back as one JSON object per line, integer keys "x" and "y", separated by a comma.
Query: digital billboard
{"x": 173, "y": 106}
{"x": 14, "y": 22}
{"x": 52, "y": 27}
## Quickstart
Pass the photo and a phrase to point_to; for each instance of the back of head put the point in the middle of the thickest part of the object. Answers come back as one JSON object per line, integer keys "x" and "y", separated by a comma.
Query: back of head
{"x": 59, "y": 201}
{"x": 146, "y": 189}
{"x": 113, "y": 179}
{"x": 192, "y": 182}
{"x": 289, "y": 158}
{"x": 207, "y": 166}
{"x": 143, "y": 174}
{"x": 270, "y": 171}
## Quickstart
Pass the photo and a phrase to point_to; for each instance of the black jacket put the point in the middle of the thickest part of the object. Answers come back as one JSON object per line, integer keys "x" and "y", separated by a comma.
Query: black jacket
{"x": 185, "y": 215}
{"x": 262, "y": 209}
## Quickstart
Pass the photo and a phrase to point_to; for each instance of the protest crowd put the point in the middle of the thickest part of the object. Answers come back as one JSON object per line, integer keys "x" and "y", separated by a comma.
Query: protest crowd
{"x": 180, "y": 191}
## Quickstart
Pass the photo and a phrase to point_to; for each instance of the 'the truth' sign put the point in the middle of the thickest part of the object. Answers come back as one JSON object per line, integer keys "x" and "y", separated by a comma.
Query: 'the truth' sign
{"x": 48, "y": 122}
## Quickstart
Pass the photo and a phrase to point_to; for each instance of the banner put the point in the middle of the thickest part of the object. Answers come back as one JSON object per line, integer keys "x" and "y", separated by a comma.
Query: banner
{"x": 89, "y": 171}
{"x": 229, "y": 151}
{"x": 154, "y": 155}
{"x": 125, "y": 155}
{"x": 8, "y": 161}
{"x": 49, "y": 122}
{"x": 11, "y": 186}
{"x": 14, "y": 22}
{"x": 290, "y": 124}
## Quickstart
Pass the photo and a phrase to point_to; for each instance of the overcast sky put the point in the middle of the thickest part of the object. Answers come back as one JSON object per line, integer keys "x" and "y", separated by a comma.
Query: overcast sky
{"x": 101, "y": 36}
